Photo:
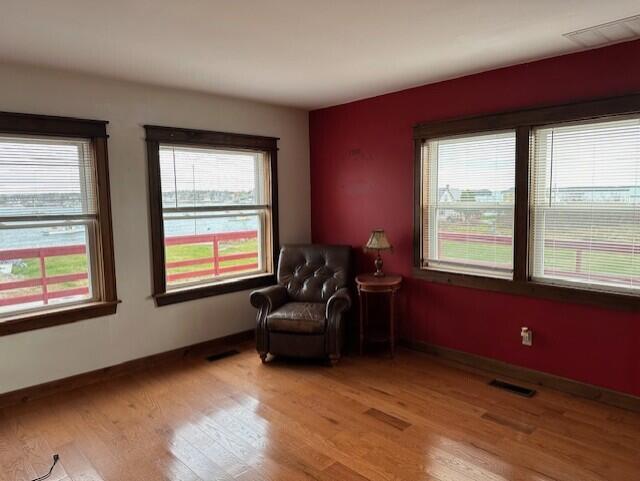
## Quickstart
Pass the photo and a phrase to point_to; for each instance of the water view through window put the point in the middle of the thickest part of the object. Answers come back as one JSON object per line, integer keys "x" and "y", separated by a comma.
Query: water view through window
{"x": 48, "y": 221}
{"x": 215, "y": 209}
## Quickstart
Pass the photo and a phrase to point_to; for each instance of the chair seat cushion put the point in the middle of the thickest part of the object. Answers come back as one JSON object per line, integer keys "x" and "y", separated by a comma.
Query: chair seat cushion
{"x": 298, "y": 317}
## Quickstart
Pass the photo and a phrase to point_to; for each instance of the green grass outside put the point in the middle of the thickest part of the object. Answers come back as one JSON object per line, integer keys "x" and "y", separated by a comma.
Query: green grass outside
{"x": 77, "y": 263}
{"x": 55, "y": 266}
{"x": 199, "y": 251}
{"x": 562, "y": 259}
{"x": 621, "y": 233}
{"x": 456, "y": 250}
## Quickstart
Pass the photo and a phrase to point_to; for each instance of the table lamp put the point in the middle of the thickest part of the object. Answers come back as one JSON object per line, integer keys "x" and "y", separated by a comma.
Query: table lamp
{"x": 378, "y": 241}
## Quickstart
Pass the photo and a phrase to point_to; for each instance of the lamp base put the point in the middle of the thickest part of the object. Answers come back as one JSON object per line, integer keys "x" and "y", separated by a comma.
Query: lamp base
{"x": 378, "y": 264}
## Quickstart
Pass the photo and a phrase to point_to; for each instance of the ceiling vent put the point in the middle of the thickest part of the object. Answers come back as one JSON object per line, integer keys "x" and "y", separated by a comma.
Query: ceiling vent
{"x": 617, "y": 31}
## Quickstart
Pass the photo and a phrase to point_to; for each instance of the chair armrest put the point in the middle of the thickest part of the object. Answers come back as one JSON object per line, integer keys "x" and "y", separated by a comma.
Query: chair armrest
{"x": 272, "y": 297}
{"x": 339, "y": 302}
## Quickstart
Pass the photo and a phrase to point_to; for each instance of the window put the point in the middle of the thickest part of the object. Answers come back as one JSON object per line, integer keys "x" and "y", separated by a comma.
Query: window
{"x": 55, "y": 240}
{"x": 468, "y": 202}
{"x": 585, "y": 204}
{"x": 215, "y": 206}
{"x": 216, "y": 212}
{"x": 542, "y": 202}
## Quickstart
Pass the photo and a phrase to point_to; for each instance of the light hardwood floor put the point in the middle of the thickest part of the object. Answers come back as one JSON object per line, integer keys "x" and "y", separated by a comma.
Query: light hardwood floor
{"x": 368, "y": 418}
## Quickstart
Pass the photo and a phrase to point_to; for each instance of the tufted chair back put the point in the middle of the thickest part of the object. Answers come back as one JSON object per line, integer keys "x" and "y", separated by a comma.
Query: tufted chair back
{"x": 314, "y": 272}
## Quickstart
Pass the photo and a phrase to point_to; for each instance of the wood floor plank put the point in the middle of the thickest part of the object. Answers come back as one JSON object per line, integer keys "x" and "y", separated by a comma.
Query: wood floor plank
{"x": 368, "y": 419}
{"x": 77, "y": 466}
{"x": 394, "y": 421}
{"x": 340, "y": 472}
{"x": 510, "y": 423}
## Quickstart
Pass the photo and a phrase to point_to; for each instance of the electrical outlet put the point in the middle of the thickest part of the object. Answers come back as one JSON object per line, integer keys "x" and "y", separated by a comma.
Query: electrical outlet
{"x": 527, "y": 336}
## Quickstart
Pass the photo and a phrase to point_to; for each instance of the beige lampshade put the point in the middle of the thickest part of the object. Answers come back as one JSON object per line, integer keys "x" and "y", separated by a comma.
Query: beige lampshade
{"x": 378, "y": 241}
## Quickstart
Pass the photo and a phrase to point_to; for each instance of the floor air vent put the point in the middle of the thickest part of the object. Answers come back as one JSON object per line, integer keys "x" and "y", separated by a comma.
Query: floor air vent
{"x": 514, "y": 388}
{"x": 222, "y": 355}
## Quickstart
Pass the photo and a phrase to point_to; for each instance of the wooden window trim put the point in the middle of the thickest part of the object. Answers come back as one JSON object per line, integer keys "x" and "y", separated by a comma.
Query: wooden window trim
{"x": 155, "y": 135}
{"x": 523, "y": 121}
{"x": 96, "y": 132}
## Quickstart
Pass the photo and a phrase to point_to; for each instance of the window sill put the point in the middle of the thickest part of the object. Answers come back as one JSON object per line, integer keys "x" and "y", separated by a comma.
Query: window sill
{"x": 226, "y": 287}
{"x": 469, "y": 272}
{"x": 606, "y": 299}
{"x": 55, "y": 317}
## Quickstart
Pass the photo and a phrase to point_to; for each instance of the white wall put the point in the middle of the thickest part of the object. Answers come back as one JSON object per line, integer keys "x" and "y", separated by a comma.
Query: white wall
{"x": 139, "y": 328}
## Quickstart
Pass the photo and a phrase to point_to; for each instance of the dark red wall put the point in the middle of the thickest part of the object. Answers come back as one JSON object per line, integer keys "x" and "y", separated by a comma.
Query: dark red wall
{"x": 362, "y": 178}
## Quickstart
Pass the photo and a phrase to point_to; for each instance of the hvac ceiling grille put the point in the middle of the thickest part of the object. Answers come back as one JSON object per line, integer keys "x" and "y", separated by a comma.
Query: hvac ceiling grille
{"x": 617, "y": 31}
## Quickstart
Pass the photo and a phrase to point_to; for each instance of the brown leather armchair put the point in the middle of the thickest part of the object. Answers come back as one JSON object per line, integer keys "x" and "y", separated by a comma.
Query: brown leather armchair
{"x": 303, "y": 314}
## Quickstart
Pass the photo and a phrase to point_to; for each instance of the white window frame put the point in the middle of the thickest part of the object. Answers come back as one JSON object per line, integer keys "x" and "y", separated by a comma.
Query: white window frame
{"x": 261, "y": 210}
{"x": 429, "y": 165}
{"x": 88, "y": 221}
{"x": 537, "y": 244}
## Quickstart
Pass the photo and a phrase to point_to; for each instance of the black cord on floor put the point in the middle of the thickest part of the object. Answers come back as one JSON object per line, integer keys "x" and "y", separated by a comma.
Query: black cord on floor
{"x": 55, "y": 461}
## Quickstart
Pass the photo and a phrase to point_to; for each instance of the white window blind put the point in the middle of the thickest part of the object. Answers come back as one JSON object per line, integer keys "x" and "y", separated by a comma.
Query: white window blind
{"x": 585, "y": 204}
{"x": 48, "y": 222}
{"x": 468, "y": 200}
{"x": 216, "y": 207}
{"x": 47, "y": 177}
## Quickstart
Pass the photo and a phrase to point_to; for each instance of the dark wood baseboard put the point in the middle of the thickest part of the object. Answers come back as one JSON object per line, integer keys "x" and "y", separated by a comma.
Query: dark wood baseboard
{"x": 475, "y": 363}
{"x": 201, "y": 349}
{"x": 464, "y": 360}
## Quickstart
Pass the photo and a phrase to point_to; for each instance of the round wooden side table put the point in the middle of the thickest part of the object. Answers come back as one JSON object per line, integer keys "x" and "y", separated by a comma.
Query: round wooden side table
{"x": 370, "y": 284}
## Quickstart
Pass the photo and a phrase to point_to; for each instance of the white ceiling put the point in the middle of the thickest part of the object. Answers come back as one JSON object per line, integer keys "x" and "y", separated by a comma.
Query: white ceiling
{"x": 304, "y": 53}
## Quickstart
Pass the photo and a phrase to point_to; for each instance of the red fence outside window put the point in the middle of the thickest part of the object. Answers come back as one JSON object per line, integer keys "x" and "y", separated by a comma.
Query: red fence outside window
{"x": 216, "y": 260}
{"x": 44, "y": 281}
{"x": 220, "y": 263}
{"x": 578, "y": 247}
